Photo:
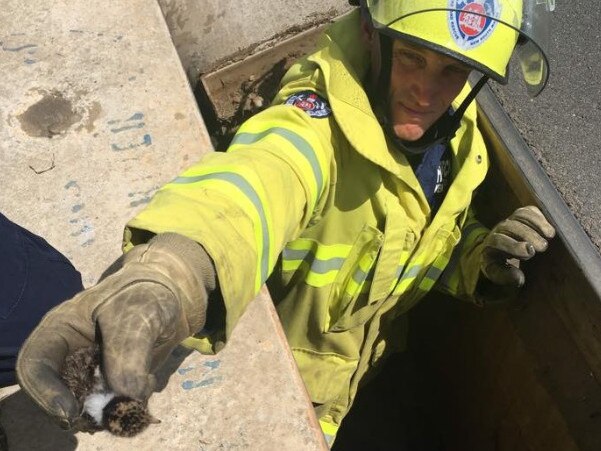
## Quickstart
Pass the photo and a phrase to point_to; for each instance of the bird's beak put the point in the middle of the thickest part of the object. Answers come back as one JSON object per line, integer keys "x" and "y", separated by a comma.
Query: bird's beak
{"x": 153, "y": 420}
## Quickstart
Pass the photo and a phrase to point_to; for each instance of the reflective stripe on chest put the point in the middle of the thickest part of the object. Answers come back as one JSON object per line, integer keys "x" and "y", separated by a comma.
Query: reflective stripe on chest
{"x": 377, "y": 269}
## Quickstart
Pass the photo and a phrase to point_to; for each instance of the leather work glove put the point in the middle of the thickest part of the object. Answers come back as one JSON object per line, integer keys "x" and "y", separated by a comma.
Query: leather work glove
{"x": 156, "y": 297}
{"x": 517, "y": 238}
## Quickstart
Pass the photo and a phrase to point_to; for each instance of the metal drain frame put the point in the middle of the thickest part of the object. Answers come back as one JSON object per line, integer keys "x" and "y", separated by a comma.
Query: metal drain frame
{"x": 540, "y": 187}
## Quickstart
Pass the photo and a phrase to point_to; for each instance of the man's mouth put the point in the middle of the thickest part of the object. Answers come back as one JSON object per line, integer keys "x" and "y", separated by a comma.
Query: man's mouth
{"x": 414, "y": 112}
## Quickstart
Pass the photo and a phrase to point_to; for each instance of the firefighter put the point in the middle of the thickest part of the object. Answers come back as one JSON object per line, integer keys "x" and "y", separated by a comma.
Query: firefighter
{"x": 349, "y": 196}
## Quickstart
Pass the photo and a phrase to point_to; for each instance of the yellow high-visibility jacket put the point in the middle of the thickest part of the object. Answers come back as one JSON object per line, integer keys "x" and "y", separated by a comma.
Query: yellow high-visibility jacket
{"x": 334, "y": 216}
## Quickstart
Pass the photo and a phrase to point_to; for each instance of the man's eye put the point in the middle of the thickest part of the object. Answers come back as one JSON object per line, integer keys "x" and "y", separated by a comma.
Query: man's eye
{"x": 458, "y": 70}
{"x": 410, "y": 59}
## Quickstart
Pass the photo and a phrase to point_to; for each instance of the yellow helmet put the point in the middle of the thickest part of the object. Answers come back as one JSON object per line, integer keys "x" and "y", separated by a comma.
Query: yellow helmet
{"x": 480, "y": 33}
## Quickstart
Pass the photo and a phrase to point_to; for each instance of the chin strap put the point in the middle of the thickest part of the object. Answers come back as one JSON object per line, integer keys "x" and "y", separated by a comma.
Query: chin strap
{"x": 382, "y": 89}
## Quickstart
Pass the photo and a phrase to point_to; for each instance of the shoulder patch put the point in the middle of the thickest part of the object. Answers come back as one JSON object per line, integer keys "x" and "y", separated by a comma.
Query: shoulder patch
{"x": 310, "y": 102}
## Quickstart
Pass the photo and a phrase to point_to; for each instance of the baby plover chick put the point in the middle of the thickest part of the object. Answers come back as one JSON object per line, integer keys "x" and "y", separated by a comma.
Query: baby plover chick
{"x": 101, "y": 407}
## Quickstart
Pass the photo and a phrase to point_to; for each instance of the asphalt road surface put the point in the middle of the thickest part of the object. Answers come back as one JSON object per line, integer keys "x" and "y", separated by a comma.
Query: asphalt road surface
{"x": 562, "y": 125}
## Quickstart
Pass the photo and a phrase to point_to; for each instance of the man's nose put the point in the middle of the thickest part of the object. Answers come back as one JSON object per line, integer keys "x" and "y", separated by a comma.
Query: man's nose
{"x": 427, "y": 88}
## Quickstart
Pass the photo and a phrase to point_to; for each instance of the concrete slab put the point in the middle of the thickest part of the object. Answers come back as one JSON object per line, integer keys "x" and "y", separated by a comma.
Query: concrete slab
{"x": 246, "y": 397}
{"x": 95, "y": 114}
{"x": 207, "y": 33}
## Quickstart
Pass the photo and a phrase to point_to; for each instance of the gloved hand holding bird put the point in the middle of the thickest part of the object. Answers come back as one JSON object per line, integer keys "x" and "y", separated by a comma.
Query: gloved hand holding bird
{"x": 156, "y": 297}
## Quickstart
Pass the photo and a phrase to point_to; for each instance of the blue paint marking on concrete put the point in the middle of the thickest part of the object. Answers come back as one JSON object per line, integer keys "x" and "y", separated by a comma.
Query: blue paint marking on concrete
{"x": 183, "y": 371}
{"x": 77, "y": 208}
{"x": 18, "y": 49}
{"x": 88, "y": 242}
{"x": 71, "y": 184}
{"x": 117, "y": 148}
{"x": 135, "y": 203}
{"x": 136, "y": 116}
{"x": 84, "y": 229}
{"x": 28, "y": 61}
{"x": 213, "y": 364}
{"x": 128, "y": 127}
{"x": 188, "y": 385}
{"x": 146, "y": 141}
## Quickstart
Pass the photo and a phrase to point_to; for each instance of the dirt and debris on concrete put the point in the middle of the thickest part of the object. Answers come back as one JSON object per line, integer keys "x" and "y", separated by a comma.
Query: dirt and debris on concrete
{"x": 57, "y": 112}
{"x": 50, "y": 116}
{"x": 230, "y": 95}
{"x": 252, "y": 96}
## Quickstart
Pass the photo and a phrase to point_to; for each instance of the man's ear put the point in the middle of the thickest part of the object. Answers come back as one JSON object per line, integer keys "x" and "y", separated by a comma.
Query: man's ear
{"x": 371, "y": 39}
{"x": 367, "y": 31}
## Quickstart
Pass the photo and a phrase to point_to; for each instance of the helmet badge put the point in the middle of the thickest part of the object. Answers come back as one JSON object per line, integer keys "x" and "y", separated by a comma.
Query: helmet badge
{"x": 471, "y": 21}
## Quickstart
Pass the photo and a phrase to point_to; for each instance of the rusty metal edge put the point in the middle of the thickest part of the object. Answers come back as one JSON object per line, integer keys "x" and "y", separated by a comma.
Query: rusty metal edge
{"x": 569, "y": 229}
{"x": 266, "y": 297}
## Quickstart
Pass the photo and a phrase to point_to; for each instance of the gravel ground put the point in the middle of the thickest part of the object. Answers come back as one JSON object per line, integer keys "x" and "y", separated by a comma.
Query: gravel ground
{"x": 562, "y": 125}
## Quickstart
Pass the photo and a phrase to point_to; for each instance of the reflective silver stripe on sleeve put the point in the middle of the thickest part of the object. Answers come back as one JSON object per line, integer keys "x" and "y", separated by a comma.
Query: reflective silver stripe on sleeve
{"x": 433, "y": 273}
{"x": 412, "y": 272}
{"x": 293, "y": 138}
{"x": 243, "y": 185}
{"x": 317, "y": 266}
{"x": 454, "y": 261}
{"x": 399, "y": 271}
{"x": 360, "y": 276}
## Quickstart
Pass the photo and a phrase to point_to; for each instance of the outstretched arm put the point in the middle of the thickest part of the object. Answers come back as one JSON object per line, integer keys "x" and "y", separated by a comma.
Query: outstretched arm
{"x": 227, "y": 218}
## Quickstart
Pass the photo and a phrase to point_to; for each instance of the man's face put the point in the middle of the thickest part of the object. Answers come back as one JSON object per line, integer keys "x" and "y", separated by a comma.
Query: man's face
{"x": 423, "y": 84}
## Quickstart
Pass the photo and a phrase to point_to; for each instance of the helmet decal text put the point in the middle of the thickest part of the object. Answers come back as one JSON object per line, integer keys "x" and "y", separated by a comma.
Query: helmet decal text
{"x": 472, "y": 21}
